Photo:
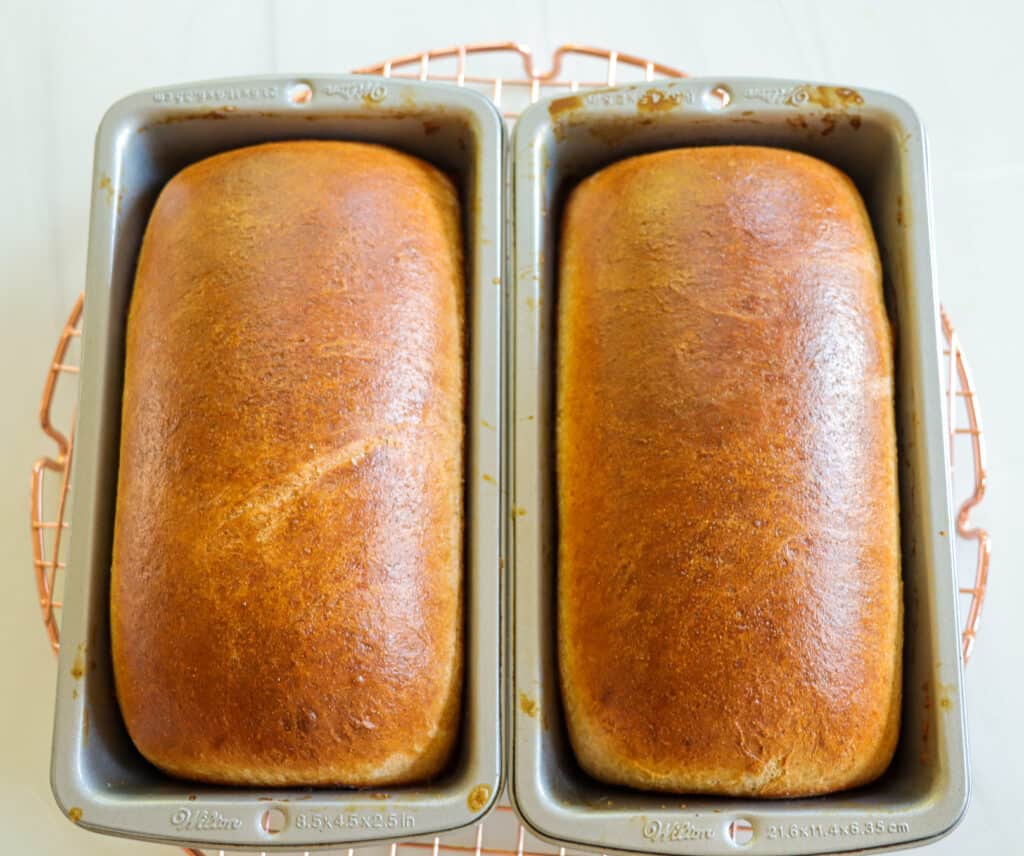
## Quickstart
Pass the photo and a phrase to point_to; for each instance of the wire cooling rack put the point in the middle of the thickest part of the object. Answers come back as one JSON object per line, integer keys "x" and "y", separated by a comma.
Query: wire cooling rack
{"x": 506, "y": 72}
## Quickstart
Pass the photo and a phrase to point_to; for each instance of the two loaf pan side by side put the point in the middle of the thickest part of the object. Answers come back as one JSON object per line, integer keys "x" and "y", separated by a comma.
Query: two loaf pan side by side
{"x": 99, "y": 778}
{"x": 878, "y": 141}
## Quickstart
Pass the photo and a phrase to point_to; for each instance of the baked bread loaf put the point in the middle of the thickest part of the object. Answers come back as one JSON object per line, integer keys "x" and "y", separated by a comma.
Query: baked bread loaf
{"x": 730, "y": 616}
{"x": 286, "y": 590}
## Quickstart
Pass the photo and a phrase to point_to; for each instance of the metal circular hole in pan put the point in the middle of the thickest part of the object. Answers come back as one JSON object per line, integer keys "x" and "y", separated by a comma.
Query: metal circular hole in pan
{"x": 739, "y": 832}
{"x": 273, "y": 821}
{"x": 718, "y": 97}
{"x": 300, "y": 93}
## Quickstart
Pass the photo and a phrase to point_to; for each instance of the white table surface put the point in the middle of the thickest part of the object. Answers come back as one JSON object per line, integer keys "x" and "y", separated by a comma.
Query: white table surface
{"x": 958, "y": 63}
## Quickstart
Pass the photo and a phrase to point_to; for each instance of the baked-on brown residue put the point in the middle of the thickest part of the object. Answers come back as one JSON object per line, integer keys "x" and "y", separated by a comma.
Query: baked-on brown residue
{"x": 174, "y": 118}
{"x": 107, "y": 185}
{"x": 527, "y": 705}
{"x": 729, "y": 609}
{"x": 829, "y": 97}
{"x": 657, "y": 101}
{"x": 286, "y": 584}
{"x": 78, "y": 666}
{"x": 478, "y": 797}
{"x": 565, "y": 105}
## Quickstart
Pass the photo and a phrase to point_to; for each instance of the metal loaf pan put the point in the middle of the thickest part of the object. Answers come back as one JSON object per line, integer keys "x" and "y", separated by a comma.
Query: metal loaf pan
{"x": 877, "y": 139}
{"x": 98, "y": 777}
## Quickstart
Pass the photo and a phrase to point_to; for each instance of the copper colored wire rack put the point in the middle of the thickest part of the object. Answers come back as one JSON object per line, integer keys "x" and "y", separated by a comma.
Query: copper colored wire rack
{"x": 960, "y": 389}
{"x": 507, "y": 73}
{"x": 46, "y": 552}
{"x": 520, "y": 82}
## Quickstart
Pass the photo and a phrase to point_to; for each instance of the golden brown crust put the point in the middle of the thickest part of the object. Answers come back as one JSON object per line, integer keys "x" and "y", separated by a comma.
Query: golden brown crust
{"x": 729, "y": 587}
{"x": 286, "y": 591}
